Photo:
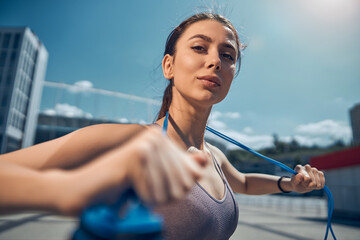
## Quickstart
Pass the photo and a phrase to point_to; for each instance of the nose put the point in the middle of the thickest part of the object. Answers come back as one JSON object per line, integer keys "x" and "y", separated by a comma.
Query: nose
{"x": 214, "y": 61}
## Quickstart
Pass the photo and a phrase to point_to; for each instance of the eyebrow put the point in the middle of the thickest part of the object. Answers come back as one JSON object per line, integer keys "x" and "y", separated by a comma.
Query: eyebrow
{"x": 208, "y": 39}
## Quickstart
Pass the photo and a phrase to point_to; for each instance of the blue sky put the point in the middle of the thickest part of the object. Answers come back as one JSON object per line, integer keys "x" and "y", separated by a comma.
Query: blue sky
{"x": 300, "y": 73}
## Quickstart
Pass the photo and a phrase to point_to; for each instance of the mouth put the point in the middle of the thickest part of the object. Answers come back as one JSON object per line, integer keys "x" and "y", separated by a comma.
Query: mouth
{"x": 213, "y": 80}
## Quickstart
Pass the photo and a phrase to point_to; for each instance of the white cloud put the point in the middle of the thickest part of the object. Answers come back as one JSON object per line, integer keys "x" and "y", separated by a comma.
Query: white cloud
{"x": 321, "y": 133}
{"x": 81, "y": 86}
{"x": 141, "y": 121}
{"x": 248, "y": 130}
{"x": 215, "y": 116}
{"x": 217, "y": 124}
{"x": 254, "y": 142}
{"x": 244, "y": 137}
{"x": 67, "y": 110}
{"x": 311, "y": 141}
{"x": 232, "y": 115}
{"x": 251, "y": 141}
{"x": 123, "y": 120}
{"x": 326, "y": 128}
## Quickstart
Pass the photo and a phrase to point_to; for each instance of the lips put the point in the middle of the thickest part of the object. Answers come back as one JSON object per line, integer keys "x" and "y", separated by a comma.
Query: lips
{"x": 213, "y": 79}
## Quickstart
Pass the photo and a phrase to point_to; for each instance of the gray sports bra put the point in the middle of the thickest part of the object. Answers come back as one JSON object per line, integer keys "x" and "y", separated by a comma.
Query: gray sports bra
{"x": 200, "y": 215}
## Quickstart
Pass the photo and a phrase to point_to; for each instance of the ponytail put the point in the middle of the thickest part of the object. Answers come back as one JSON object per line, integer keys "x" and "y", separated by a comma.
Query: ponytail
{"x": 166, "y": 100}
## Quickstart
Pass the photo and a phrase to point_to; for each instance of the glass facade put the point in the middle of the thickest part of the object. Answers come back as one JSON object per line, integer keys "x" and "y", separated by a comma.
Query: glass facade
{"x": 19, "y": 49}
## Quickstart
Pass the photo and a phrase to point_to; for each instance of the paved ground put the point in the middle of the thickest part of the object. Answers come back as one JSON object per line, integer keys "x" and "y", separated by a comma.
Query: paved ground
{"x": 261, "y": 217}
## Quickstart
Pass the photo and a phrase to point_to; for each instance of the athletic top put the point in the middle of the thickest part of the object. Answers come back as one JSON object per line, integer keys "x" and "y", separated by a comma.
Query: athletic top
{"x": 200, "y": 215}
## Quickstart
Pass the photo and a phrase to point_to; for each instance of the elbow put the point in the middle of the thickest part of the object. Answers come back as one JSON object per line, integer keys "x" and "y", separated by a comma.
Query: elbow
{"x": 246, "y": 186}
{"x": 70, "y": 206}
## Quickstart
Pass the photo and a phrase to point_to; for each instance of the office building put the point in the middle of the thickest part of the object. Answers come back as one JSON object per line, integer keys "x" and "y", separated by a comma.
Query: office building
{"x": 50, "y": 127}
{"x": 23, "y": 61}
{"x": 355, "y": 123}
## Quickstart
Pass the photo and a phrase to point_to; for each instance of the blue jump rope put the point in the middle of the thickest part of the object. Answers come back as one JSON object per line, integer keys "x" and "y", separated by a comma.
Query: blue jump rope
{"x": 138, "y": 222}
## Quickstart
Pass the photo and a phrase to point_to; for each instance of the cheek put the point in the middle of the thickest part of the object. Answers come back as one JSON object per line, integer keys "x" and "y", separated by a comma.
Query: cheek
{"x": 229, "y": 73}
{"x": 186, "y": 64}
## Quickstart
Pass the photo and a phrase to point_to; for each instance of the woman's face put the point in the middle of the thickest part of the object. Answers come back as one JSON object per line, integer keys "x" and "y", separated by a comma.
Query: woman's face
{"x": 204, "y": 63}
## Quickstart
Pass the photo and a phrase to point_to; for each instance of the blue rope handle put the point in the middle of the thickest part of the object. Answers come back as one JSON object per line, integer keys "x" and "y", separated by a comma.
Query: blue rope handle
{"x": 283, "y": 166}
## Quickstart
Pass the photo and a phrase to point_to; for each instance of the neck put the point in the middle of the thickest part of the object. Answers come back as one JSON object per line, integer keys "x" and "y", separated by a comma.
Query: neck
{"x": 187, "y": 127}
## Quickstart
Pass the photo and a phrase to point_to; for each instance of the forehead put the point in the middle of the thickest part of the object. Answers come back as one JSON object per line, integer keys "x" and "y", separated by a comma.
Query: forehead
{"x": 210, "y": 28}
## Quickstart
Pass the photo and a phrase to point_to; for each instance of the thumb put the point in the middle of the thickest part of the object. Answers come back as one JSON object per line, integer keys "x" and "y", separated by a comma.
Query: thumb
{"x": 298, "y": 178}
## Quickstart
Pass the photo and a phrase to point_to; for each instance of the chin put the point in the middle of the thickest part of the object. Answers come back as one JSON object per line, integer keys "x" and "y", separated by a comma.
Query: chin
{"x": 208, "y": 99}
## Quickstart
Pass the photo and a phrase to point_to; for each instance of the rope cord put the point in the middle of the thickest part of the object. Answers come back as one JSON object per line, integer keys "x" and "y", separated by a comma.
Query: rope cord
{"x": 279, "y": 164}
{"x": 286, "y": 168}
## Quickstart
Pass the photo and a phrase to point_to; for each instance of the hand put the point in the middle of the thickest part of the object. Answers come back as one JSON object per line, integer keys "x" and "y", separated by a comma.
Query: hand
{"x": 307, "y": 179}
{"x": 162, "y": 172}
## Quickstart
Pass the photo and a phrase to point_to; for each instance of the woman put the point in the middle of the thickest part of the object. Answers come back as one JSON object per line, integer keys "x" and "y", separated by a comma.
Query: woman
{"x": 96, "y": 163}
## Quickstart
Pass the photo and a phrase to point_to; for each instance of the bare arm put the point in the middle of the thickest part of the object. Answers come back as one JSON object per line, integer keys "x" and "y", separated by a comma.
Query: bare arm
{"x": 306, "y": 180}
{"x": 150, "y": 163}
{"x": 64, "y": 191}
{"x": 74, "y": 149}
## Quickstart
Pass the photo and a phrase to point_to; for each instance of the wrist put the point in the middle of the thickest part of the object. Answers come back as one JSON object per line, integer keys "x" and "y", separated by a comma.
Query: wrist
{"x": 284, "y": 184}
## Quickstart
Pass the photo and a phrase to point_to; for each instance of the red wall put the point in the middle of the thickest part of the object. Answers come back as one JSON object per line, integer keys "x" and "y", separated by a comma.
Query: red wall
{"x": 344, "y": 158}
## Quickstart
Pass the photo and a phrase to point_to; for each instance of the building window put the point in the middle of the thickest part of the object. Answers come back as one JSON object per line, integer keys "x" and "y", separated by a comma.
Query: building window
{"x": 12, "y": 144}
{"x": 22, "y": 123}
{"x": 27, "y": 89}
{"x": 8, "y": 79}
{"x": 12, "y": 59}
{"x": 14, "y": 123}
{"x": 4, "y": 100}
{"x": 17, "y": 101}
{"x": 6, "y": 40}
{"x": 2, "y": 58}
{"x": 23, "y": 106}
{"x": 16, "y": 41}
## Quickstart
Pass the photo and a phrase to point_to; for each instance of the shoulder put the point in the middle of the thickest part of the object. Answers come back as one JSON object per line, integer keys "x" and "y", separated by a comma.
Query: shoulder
{"x": 219, "y": 155}
{"x": 111, "y": 128}
{"x": 108, "y": 132}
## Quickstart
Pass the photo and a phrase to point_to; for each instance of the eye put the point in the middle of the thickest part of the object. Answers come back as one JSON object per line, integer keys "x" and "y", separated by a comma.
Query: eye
{"x": 228, "y": 56}
{"x": 198, "y": 48}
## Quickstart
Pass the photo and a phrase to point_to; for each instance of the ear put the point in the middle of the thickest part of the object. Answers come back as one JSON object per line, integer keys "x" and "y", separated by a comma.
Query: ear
{"x": 167, "y": 66}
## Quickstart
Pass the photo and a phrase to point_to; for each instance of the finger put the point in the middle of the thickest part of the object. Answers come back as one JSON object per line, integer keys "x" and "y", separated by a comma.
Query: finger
{"x": 169, "y": 165}
{"x": 322, "y": 179}
{"x": 148, "y": 180}
{"x": 307, "y": 177}
{"x": 301, "y": 176}
{"x": 297, "y": 179}
{"x": 317, "y": 178}
{"x": 141, "y": 186}
{"x": 311, "y": 183}
{"x": 187, "y": 179}
{"x": 155, "y": 180}
{"x": 190, "y": 164}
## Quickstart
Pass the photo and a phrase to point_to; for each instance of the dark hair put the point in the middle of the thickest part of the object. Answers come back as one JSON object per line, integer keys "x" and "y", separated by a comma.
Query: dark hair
{"x": 174, "y": 37}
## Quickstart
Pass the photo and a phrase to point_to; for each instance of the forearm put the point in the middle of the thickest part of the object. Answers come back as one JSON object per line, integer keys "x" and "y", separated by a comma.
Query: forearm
{"x": 100, "y": 181}
{"x": 22, "y": 188}
{"x": 258, "y": 184}
{"x": 75, "y": 149}
{"x": 61, "y": 191}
